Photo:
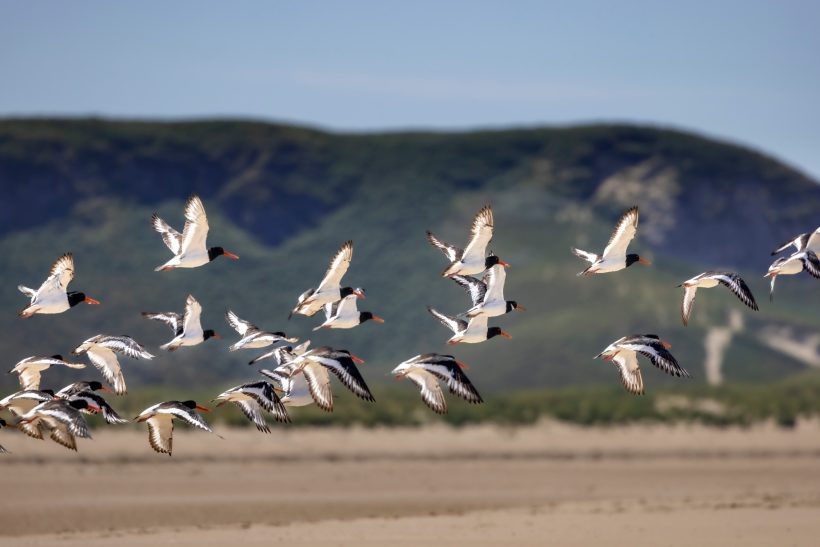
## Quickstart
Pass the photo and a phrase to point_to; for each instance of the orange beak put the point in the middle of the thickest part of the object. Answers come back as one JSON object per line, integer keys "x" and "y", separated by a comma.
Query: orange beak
{"x": 89, "y": 300}
{"x": 103, "y": 388}
{"x": 279, "y": 389}
{"x": 519, "y": 307}
{"x": 216, "y": 337}
{"x": 377, "y": 319}
{"x": 94, "y": 408}
{"x": 356, "y": 359}
{"x": 644, "y": 261}
{"x": 452, "y": 342}
{"x": 666, "y": 344}
{"x": 506, "y": 335}
{"x": 506, "y": 265}
{"x": 357, "y": 293}
{"x": 463, "y": 365}
{"x": 202, "y": 408}
{"x": 230, "y": 255}
{"x": 399, "y": 377}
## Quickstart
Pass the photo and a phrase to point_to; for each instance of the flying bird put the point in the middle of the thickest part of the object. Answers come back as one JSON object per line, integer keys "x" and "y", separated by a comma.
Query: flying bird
{"x": 623, "y": 353}
{"x": 251, "y": 399}
{"x": 252, "y": 336}
{"x": 62, "y": 419}
{"x": 189, "y": 247}
{"x": 472, "y": 259}
{"x": 160, "y": 420}
{"x": 295, "y": 388}
{"x": 810, "y": 241}
{"x": 329, "y": 290}
{"x": 53, "y": 295}
{"x": 315, "y": 365}
{"x": 487, "y": 294}
{"x": 28, "y": 370}
{"x": 794, "y": 264}
{"x": 345, "y": 315}
{"x": 21, "y": 402}
{"x": 426, "y": 370}
{"x": 96, "y": 403}
{"x": 614, "y": 257}
{"x": 283, "y": 354}
{"x": 79, "y": 387}
{"x": 708, "y": 280}
{"x": 187, "y": 328}
{"x": 472, "y": 331}
{"x": 102, "y": 351}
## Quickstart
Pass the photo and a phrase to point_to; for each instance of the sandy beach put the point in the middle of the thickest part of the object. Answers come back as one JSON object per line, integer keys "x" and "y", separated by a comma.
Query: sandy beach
{"x": 550, "y": 483}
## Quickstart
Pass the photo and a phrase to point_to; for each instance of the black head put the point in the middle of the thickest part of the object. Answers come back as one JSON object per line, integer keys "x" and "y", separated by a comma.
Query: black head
{"x": 496, "y": 331}
{"x": 280, "y": 334}
{"x": 367, "y": 316}
{"x": 79, "y": 404}
{"x": 58, "y": 357}
{"x": 2, "y": 422}
{"x": 95, "y": 385}
{"x": 633, "y": 258}
{"x": 513, "y": 305}
{"x": 214, "y": 252}
{"x": 492, "y": 260}
{"x": 189, "y": 404}
{"x": 347, "y": 291}
{"x": 75, "y": 298}
{"x": 48, "y": 391}
{"x": 209, "y": 333}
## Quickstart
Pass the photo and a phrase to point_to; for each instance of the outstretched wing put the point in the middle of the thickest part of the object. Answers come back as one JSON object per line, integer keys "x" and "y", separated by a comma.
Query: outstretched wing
{"x": 586, "y": 255}
{"x": 736, "y": 284}
{"x": 689, "y": 294}
{"x": 452, "y": 252}
{"x": 190, "y": 320}
{"x": 622, "y": 234}
{"x": 811, "y": 264}
{"x": 338, "y": 267}
{"x": 161, "y": 433}
{"x": 239, "y": 325}
{"x": 125, "y": 345}
{"x": 454, "y": 324}
{"x": 476, "y": 288}
{"x": 172, "y": 238}
{"x": 431, "y": 392}
{"x": 658, "y": 356}
{"x": 172, "y": 319}
{"x": 105, "y": 360}
{"x": 318, "y": 381}
{"x": 63, "y": 270}
{"x": 195, "y": 231}
{"x": 481, "y": 233}
{"x": 627, "y": 363}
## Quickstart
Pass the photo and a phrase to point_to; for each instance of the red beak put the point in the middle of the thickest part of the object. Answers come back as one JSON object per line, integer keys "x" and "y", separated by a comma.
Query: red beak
{"x": 106, "y": 389}
{"x": 230, "y": 255}
{"x": 644, "y": 261}
{"x": 503, "y": 263}
{"x": 357, "y": 293}
{"x": 202, "y": 408}
{"x": 377, "y": 319}
{"x": 666, "y": 344}
{"x": 90, "y": 300}
{"x": 506, "y": 335}
{"x": 356, "y": 359}
{"x": 94, "y": 408}
{"x": 463, "y": 365}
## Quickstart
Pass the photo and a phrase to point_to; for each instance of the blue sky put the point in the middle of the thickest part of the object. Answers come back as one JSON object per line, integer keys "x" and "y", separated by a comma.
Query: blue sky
{"x": 745, "y": 71}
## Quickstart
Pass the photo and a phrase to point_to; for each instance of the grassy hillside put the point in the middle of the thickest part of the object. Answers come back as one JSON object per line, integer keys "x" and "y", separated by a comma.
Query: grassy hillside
{"x": 284, "y": 198}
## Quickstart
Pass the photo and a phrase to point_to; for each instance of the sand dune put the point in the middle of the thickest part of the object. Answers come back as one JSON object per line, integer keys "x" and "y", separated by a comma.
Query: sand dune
{"x": 436, "y": 486}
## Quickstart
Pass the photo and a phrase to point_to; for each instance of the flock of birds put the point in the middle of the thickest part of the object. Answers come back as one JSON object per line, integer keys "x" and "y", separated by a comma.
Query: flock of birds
{"x": 302, "y": 375}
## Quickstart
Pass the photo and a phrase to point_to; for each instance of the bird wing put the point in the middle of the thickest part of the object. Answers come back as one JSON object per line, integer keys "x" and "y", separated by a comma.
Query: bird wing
{"x": 105, "y": 360}
{"x": 476, "y": 288}
{"x": 239, "y": 325}
{"x": 452, "y": 252}
{"x": 31, "y": 293}
{"x": 190, "y": 320}
{"x": 813, "y": 242}
{"x": 622, "y": 234}
{"x": 586, "y": 255}
{"x": 125, "y": 345}
{"x": 689, "y": 294}
{"x": 337, "y": 268}
{"x": 736, "y": 284}
{"x": 658, "y": 356}
{"x": 160, "y": 433}
{"x": 172, "y": 319}
{"x": 810, "y": 263}
{"x": 495, "y": 278}
{"x": 318, "y": 381}
{"x": 449, "y": 371}
{"x": 63, "y": 270}
{"x": 172, "y": 238}
{"x": 195, "y": 231}
{"x": 267, "y": 399}
{"x": 60, "y": 434}
{"x": 187, "y": 415}
{"x": 348, "y": 373}
{"x": 454, "y": 324}
{"x": 431, "y": 392}
{"x": 627, "y": 363}
{"x": 29, "y": 378}
{"x": 252, "y": 412}
{"x": 481, "y": 233}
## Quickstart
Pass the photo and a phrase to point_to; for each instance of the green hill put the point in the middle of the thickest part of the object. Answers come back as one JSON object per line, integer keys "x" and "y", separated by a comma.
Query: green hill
{"x": 284, "y": 198}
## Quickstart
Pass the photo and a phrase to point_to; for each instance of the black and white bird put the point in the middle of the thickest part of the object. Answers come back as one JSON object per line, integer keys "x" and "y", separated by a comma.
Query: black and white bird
{"x": 472, "y": 331}
{"x": 792, "y": 265}
{"x": 53, "y": 295}
{"x": 160, "y": 420}
{"x": 187, "y": 327}
{"x": 62, "y": 419}
{"x": 95, "y": 402}
{"x": 79, "y": 387}
{"x": 810, "y": 241}
{"x": 252, "y": 336}
{"x": 707, "y": 280}
{"x": 426, "y": 370}
{"x": 614, "y": 257}
{"x": 28, "y": 370}
{"x": 623, "y": 353}
{"x": 487, "y": 294}
{"x": 473, "y": 258}
{"x": 251, "y": 399}
{"x": 102, "y": 351}
{"x": 21, "y": 402}
{"x": 283, "y": 354}
{"x": 344, "y": 314}
{"x": 295, "y": 389}
{"x": 315, "y": 365}
{"x": 189, "y": 247}
{"x": 330, "y": 289}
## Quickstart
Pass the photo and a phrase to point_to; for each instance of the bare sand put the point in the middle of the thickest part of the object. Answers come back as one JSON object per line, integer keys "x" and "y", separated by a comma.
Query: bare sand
{"x": 546, "y": 484}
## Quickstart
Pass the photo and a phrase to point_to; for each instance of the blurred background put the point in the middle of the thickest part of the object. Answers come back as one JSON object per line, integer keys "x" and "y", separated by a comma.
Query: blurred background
{"x": 302, "y": 126}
